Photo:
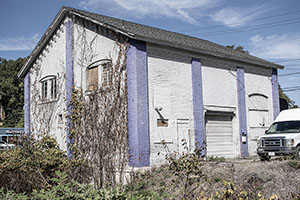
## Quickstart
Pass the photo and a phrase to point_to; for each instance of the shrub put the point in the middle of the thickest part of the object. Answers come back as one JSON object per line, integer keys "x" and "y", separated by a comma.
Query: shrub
{"x": 186, "y": 167}
{"x": 215, "y": 158}
{"x": 63, "y": 189}
{"x": 231, "y": 193}
{"x": 32, "y": 165}
{"x": 12, "y": 195}
{"x": 294, "y": 164}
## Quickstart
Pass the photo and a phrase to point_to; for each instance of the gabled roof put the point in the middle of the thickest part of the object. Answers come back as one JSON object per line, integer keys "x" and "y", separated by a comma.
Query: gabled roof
{"x": 148, "y": 34}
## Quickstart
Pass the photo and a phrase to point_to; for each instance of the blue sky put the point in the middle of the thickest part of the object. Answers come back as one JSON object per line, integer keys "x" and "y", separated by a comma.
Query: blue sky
{"x": 267, "y": 29}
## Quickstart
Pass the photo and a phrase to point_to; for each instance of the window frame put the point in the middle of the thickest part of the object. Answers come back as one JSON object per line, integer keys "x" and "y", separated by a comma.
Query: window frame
{"x": 44, "y": 89}
{"x": 53, "y": 88}
{"x": 98, "y": 82}
{"x": 48, "y": 87}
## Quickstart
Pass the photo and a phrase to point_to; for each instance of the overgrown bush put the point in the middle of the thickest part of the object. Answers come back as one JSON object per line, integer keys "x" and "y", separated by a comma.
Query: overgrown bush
{"x": 185, "y": 177}
{"x": 215, "y": 158}
{"x": 63, "y": 189}
{"x": 231, "y": 193}
{"x": 12, "y": 195}
{"x": 32, "y": 165}
{"x": 294, "y": 164}
{"x": 186, "y": 167}
{"x": 98, "y": 120}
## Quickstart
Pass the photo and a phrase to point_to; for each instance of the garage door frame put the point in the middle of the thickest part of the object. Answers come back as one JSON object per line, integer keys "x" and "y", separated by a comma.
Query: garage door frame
{"x": 217, "y": 116}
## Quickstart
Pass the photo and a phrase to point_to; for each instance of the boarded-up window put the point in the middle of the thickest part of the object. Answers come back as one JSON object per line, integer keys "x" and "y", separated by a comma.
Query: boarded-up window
{"x": 93, "y": 78}
{"x": 99, "y": 74}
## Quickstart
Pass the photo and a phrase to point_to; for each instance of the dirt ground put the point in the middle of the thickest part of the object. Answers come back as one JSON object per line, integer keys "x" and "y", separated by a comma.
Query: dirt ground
{"x": 280, "y": 177}
{"x": 274, "y": 177}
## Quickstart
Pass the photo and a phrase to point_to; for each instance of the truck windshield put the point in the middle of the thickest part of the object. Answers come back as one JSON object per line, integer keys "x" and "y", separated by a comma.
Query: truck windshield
{"x": 284, "y": 127}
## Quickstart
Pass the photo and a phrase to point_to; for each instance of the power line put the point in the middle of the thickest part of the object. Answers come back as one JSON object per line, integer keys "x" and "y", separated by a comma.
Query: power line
{"x": 251, "y": 28}
{"x": 291, "y": 90}
{"x": 292, "y": 68}
{"x": 289, "y": 74}
{"x": 236, "y": 23}
{"x": 292, "y": 87}
{"x": 288, "y": 60}
{"x": 245, "y": 84}
{"x": 277, "y": 42}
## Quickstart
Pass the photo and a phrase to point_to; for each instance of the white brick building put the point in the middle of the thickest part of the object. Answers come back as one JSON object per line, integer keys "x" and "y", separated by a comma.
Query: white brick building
{"x": 179, "y": 87}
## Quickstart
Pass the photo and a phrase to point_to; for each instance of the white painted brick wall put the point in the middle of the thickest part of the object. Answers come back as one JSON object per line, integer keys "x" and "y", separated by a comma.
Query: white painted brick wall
{"x": 88, "y": 49}
{"x": 51, "y": 62}
{"x": 170, "y": 87}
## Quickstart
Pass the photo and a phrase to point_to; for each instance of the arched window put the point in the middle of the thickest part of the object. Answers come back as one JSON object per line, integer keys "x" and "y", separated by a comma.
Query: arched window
{"x": 100, "y": 68}
{"x": 258, "y": 101}
{"x": 48, "y": 87}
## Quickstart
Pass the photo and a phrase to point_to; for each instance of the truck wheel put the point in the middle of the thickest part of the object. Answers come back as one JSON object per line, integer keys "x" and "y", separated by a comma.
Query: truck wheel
{"x": 297, "y": 153}
{"x": 264, "y": 158}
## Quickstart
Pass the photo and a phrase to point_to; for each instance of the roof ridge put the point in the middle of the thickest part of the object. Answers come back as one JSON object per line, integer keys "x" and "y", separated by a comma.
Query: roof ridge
{"x": 215, "y": 45}
{"x": 149, "y": 34}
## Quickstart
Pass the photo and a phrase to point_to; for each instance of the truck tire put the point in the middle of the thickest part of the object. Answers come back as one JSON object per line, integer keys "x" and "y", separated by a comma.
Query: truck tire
{"x": 297, "y": 153}
{"x": 264, "y": 157}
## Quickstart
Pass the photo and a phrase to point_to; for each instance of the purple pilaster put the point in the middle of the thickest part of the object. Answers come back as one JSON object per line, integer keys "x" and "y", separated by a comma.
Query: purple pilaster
{"x": 27, "y": 103}
{"x": 275, "y": 93}
{"x": 198, "y": 105}
{"x": 69, "y": 80}
{"x": 138, "y": 118}
{"x": 242, "y": 111}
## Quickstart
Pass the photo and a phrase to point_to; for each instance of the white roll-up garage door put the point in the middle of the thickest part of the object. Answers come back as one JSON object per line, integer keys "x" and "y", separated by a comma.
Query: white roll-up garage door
{"x": 219, "y": 136}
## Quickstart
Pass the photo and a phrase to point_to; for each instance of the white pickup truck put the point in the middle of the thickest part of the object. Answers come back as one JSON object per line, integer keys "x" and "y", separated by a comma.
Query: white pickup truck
{"x": 283, "y": 136}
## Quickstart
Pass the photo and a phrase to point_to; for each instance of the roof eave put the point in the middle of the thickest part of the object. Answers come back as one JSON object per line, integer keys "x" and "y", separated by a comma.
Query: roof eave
{"x": 64, "y": 11}
{"x": 55, "y": 23}
{"x": 117, "y": 30}
{"x": 40, "y": 45}
{"x": 203, "y": 51}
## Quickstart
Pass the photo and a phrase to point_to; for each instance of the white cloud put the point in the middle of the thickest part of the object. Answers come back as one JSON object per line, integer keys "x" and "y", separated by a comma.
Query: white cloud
{"x": 190, "y": 11}
{"x": 20, "y": 43}
{"x": 234, "y": 17}
{"x": 185, "y": 10}
{"x": 285, "y": 46}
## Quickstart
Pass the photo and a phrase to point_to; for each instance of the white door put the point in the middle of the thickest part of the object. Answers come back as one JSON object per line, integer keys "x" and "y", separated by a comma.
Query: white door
{"x": 184, "y": 138}
{"x": 258, "y": 120}
{"x": 219, "y": 140}
{"x": 258, "y": 123}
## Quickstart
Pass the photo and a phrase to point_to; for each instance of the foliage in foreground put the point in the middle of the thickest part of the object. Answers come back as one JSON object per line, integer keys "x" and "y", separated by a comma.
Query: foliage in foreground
{"x": 39, "y": 170}
{"x": 32, "y": 165}
{"x": 63, "y": 189}
{"x": 184, "y": 178}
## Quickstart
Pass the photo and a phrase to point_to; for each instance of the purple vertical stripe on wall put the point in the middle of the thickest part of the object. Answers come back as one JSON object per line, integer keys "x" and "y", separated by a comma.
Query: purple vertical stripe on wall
{"x": 138, "y": 118}
{"x": 27, "y": 103}
{"x": 275, "y": 93}
{"x": 242, "y": 110}
{"x": 69, "y": 78}
{"x": 198, "y": 105}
